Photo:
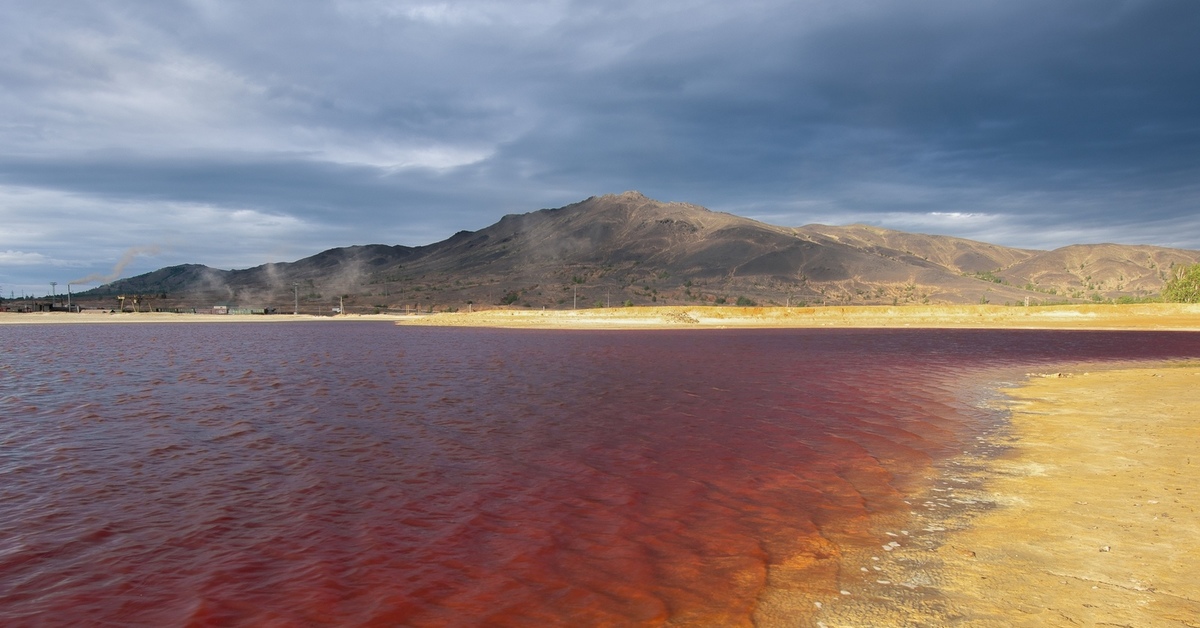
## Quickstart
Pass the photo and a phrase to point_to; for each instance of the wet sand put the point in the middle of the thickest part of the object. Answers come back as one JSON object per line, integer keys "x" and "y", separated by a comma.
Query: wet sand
{"x": 1082, "y": 512}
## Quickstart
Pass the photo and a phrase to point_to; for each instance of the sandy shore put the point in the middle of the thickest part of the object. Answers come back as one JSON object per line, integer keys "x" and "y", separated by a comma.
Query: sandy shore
{"x": 98, "y": 316}
{"x": 1088, "y": 517}
{"x": 1097, "y": 520}
{"x": 1166, "y": 316}
{"x": 1141, "y": 316}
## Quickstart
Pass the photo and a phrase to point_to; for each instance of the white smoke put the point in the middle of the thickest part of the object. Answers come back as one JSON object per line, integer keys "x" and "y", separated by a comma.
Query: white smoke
{"x": 115, "y": 273}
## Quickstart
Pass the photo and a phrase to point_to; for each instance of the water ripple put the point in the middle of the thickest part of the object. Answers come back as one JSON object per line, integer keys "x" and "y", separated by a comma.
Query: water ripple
{"x": 373, "y": 475}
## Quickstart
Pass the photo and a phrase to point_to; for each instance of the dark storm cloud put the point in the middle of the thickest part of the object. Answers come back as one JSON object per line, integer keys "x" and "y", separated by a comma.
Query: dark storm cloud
{"x": 324, "y": 124}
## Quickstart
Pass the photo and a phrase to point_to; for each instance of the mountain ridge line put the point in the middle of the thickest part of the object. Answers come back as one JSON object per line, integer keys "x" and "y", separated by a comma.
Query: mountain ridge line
{"x": 619, "y": 249}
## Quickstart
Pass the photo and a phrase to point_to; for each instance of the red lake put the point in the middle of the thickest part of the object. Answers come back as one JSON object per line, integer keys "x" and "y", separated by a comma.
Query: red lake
{"x": 307, "y": 474}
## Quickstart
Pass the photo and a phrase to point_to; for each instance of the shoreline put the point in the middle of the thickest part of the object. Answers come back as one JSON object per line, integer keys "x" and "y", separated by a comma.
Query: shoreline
{"x": 1144, "y": 316}
{"x": 1077, "y": 512}
{"x": 127, "y": 318}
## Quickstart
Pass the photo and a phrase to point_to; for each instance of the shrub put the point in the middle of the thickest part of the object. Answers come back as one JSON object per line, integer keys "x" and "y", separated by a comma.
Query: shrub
{"x": 744, "y": 302}
{"x": 1184, "y": 287}
{"x": 986, "y": 275}
{"x": 1127, "y": 300}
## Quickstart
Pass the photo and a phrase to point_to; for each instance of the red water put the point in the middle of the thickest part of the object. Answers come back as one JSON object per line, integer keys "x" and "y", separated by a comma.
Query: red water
{"x": 365, "y": 474}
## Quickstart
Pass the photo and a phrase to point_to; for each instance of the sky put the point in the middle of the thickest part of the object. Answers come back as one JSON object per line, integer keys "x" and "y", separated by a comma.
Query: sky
{"x": 139, "y": 134}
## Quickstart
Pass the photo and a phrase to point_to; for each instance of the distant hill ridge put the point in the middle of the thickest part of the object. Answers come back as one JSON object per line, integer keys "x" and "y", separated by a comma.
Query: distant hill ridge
{"x": 627, "y": 248}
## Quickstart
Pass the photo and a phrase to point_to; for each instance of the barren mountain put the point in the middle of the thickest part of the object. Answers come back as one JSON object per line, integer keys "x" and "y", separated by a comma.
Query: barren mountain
{"x": 1106, "y": 269}
{"x": 955, "y": 254}
{"x": 621, "y": 248}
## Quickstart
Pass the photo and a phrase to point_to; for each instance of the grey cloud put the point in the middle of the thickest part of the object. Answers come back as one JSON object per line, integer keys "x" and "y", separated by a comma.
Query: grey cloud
{"x": 363, "y": 120}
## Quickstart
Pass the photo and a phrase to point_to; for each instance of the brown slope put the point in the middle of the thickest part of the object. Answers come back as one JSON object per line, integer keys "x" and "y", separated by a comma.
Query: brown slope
{"x": 955, "y": 254}
{"x": 633, "y": 248}
{"x": 335, "y": 271}
{"x": 1107, "y": 270}
{"x": 600, "y": 230}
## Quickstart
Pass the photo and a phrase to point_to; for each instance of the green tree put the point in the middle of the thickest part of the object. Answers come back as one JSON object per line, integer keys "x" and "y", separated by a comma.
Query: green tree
{"x": 1184, "y": 287}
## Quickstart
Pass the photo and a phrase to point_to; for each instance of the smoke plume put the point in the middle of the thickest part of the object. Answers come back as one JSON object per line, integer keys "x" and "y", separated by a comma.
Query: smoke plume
{"x": 115, "y": 273}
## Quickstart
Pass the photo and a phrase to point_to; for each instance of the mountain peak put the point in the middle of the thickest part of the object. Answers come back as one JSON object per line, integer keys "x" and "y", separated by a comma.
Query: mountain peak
{"x": 635, "y": 200}
{"x": 624, "y": 198}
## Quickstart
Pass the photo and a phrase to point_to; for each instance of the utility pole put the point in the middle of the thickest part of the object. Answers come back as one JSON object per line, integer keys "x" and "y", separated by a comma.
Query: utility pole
{"x": 53, "y": 296}
{"x": 296, "y": 294}
{"x": 575, "y": 301}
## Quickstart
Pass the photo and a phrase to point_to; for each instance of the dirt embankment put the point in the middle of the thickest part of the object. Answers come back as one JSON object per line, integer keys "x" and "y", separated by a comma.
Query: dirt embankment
{"x": 99, "y": 316}
{"x": 1142, "y": 316}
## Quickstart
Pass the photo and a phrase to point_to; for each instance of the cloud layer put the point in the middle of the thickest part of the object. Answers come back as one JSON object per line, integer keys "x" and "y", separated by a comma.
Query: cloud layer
{"x": 234, "y": 134}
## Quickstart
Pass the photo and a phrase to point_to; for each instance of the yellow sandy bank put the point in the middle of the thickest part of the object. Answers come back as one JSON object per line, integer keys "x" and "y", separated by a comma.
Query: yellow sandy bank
{"x": 1098, "y": 520}
{"x": 1089, "y": 518}
{"x": 1174, "y": 316}
{"x": 98, "y": 316}
{"x": 1140, "y": 316}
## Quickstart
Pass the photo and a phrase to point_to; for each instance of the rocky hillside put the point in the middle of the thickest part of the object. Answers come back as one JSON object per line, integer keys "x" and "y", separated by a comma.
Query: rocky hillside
{"x": 626, "y": 248}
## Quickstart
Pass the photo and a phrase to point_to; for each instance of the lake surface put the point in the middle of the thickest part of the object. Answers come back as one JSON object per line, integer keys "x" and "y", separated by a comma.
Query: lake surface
{"x": 367, "y": 474}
